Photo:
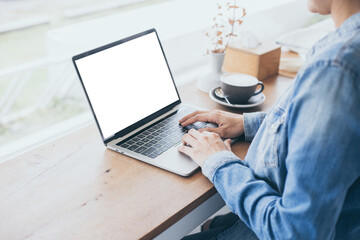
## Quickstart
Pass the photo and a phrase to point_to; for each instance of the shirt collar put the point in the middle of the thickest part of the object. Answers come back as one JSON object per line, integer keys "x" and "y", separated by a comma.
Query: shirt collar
{"x": 349, "y": 25}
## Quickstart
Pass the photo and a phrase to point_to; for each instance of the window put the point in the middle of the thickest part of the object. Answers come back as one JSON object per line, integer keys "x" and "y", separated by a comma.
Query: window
{"x": 40, "y": 97}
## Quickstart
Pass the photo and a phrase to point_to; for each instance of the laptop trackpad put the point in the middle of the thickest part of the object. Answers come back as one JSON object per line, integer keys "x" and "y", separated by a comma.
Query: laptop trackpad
{"x": 177, "y": 162}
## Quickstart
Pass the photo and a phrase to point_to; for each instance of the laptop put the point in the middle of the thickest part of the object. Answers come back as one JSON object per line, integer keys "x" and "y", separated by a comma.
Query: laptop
{"x": 135, "y": 102}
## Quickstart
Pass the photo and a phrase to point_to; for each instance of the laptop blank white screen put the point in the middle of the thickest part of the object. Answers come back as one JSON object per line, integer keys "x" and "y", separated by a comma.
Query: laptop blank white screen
{"x": 127, "y": 83}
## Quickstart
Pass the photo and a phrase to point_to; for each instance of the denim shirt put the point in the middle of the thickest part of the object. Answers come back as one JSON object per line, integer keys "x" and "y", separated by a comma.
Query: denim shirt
{"x": 301, "y": 176}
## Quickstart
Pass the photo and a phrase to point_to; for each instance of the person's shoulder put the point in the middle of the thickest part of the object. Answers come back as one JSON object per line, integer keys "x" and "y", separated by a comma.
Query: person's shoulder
{"x": 348, "y": 55}
{"x": 333, "y": 70}
{"x": 342, "y": 52}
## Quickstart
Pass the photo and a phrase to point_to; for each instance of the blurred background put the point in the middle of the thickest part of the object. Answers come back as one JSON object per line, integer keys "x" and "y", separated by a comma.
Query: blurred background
{"x": 40, "y": 95}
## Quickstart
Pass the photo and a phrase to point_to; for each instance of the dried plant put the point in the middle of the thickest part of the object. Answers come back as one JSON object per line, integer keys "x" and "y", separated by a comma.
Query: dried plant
{"x": 229, "y": 16}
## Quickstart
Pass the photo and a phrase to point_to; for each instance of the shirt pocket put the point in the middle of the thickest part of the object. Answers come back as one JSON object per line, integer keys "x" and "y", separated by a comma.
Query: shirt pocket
{"x": 270, "y": 142}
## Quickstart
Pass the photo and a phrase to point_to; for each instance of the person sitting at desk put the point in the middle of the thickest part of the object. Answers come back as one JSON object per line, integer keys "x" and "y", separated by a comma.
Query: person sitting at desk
{"x": 301, "y": 176}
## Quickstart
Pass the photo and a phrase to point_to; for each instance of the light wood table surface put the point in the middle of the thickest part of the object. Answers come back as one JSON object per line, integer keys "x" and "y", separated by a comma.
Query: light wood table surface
{"x": 74, "y": 188}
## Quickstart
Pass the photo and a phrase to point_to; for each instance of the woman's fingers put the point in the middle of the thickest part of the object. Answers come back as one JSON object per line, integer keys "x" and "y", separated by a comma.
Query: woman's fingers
{"x": 186, "y": 150}
{"x": 188, "y": 139}
{"x": 229, "y": 125}
{"x": 190, "y": 116}
{"x": 202, "y": 117}
{"x": 194, "y": 133}
{"x": 199, "y": 146}
{"x": 211, "y": 129}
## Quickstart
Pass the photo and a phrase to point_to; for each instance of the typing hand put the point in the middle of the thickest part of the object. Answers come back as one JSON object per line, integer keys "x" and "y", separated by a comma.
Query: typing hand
{"x": 201, "y": 145}
{"x": 230, "y": 125}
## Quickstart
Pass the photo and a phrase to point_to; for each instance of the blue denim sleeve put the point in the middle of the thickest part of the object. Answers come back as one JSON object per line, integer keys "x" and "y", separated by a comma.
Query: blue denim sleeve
{"x": 322, "y": 162}
{"x": 252, "y": 122}
{"x": 217, "y": 160}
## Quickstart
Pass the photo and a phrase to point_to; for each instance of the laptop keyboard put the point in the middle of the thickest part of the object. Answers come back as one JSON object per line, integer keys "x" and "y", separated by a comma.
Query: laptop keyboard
{"x": 158, "y": 138}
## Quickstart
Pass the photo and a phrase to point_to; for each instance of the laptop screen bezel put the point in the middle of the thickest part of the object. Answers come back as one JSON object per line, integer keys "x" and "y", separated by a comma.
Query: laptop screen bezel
{"x": 143, "y": 121}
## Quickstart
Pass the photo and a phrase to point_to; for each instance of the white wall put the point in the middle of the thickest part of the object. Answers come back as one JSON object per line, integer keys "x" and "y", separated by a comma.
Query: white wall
{"x": 181, "y": 25}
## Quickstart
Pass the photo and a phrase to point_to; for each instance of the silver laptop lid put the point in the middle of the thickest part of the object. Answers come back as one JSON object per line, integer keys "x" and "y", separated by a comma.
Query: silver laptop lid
{"x": 127, "y": 83}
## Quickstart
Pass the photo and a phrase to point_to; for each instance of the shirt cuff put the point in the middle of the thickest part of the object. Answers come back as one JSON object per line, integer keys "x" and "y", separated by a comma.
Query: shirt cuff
{"x": 215, "y": 161}
{"x": 252, "y": 122}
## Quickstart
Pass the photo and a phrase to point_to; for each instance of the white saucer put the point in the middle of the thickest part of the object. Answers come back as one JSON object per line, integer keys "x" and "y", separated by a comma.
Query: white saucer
{"x": 252, "y": 102}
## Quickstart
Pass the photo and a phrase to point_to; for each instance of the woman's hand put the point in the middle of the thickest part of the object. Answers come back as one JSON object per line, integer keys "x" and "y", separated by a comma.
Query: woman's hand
{"x": 201, "y": 145}
{"x": 230, "y": 125}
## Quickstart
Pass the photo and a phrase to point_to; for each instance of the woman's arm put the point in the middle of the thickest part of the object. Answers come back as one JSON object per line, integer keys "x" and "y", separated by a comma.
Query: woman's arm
{"x": 323, "y": 137}
{"x": 252, "y": 123}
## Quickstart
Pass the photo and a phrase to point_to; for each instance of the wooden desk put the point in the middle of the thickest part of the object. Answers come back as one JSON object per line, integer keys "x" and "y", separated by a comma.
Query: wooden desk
{"x": 74, "y": 188}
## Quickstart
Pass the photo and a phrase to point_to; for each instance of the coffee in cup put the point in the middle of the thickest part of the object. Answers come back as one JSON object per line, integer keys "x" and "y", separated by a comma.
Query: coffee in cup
{"x": 238, "y": 88}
